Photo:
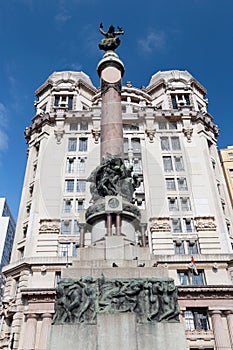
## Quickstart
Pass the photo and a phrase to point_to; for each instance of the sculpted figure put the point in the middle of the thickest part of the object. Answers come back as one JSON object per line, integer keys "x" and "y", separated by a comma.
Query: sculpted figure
{"x": 110, "y": 42}
{"x": 62, "y": 312}
{"x": 112, "y": 177}
{"x": 87, "y": 310}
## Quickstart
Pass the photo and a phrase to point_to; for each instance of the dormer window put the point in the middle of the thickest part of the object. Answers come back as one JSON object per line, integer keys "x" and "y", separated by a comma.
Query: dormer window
{"x": 63, "y": 101}
{"x": 180, "y": 100}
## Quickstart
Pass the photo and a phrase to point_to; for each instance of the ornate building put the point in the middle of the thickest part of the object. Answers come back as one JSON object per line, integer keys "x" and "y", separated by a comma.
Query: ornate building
{"x": 185, "y": 211}
{"x": 226, "y": 156}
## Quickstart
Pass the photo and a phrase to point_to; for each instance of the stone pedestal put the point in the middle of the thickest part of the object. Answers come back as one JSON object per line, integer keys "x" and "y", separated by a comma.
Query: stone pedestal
{"x": 117, "y": 331}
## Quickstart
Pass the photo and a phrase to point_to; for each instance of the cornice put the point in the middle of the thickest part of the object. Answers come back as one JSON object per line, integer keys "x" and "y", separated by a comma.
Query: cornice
{"x": 205, "y": 292}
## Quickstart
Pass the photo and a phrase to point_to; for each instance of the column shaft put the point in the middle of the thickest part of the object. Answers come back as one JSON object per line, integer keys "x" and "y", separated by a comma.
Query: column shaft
{"x": 46, "y": 322}
{"x": 229, "y": 315}
{"x": 219, "y": 331}
{"x": 30, "y": 332}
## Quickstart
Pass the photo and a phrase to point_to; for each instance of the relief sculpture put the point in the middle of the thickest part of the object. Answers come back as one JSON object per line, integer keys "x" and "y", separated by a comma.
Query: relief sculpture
{"x": 80, "y": 300}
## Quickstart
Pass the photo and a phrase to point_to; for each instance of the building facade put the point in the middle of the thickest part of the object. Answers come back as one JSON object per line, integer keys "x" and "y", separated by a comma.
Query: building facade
{"x": 7, "y": 230}
{"x": 170, "y": 141}
{"x": 226, "y": 156}
{"x": 7, "y": 233}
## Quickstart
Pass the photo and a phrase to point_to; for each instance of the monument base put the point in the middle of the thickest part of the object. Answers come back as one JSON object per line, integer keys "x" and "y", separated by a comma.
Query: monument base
{"x": 117, "y": 331}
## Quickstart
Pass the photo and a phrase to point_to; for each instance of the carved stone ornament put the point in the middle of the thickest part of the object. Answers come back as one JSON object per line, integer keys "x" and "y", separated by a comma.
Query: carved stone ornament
{"x": 59, "y": 135}
{"x": 105, "y": 86}
{"x": 79, "y": 300}
{"x": 188, "y": 133}
{"x": 49, "y": 226}
{"x": 160, "y": 225}
{"x": 96, "y": 134}
{"x": 205, "y": 223}
{"x": 150, "y": 134}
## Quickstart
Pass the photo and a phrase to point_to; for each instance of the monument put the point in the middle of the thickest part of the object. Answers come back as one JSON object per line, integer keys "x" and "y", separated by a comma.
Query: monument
{"x": 114, "y": 295}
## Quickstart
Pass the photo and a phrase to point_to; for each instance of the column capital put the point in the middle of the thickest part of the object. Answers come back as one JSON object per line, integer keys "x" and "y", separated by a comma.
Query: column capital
{"x": 31, "y": 315}
{"x": 47, "y": 315}
{"x": 228, "y": 312}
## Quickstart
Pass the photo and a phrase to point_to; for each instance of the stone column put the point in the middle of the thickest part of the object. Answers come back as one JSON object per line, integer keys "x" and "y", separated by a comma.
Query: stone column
{"x": 110, "y": 70}
{"x": 143, "y": 235}
{"x": 219, "y": 332}
{"x": 82, "y": 236}
{"x": 30, "y": 332}
{"x": 46, "y": 322}
{"x": 229, "y": 315}
{"x": 109, "y": 224}
{"x": 118, "y": 225}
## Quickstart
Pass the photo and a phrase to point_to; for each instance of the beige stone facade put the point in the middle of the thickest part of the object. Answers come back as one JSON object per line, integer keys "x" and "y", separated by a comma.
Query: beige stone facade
{"x": 226, "y": 156}
{"x": 170, "y": 140}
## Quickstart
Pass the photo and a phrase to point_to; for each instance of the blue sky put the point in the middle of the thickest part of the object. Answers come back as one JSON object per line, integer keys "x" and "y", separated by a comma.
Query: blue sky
{"x": 41, "y": 36}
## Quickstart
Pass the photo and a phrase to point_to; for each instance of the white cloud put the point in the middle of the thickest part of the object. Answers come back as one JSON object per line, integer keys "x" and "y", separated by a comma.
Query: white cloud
{"x": 153, "y": 41}
{"x": 63, "y": 14}
{"x": 3, "y": 121}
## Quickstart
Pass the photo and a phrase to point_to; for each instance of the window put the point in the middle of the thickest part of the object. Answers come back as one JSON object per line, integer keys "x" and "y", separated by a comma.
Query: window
{"x": 180, "y": 100}
{"x": 81, "y": 186}
{"x": 165, "y": 143}
{"x": 176, "y": 225}
{"x": 67, "y": 205}
{"x": 179, "y": 247}
{"x": 172, "y": 125}
{"x": 162, "y": 125}
{"x": 231, "y": 174}
{"x": 73, "y": 126}
{"x": 69, "y": 185}
{"x": 76, "y": 228}
{"x": 179, "y": 166}
{"x": 167, "y": 125}
{"x": 70, "y": 165}
{"x": 188, "y": 224}
{"x": 182, "y": 184}
{"x": 67, "y": 249}
{"x": 185, "y": 204}
{"x": 79, "y": 205}
{"x": 175, "y": 142}
{"x": 126, "y": 146}
{"x": 137, "y": 166}
{"x": 64, "y": 249}
{"x": 72, "y": 145}
{"x": 170, "y": 184}
{"x": 63, "y": 101}
{"x": 167, "y": 164}
{"x": 34, "y": 170}
{"x": 196, "y": 319}
{"x": 81, "y": 166}
{"x": 83, "y": 125}
{"x": 188, "y": 278}
{"x": 136, "y": 145}
{"x": 192, "y": 247}
{"x": 83, "y": 144}
{"x": 173, "y": 203}
{"x": 130, "y": 127}
{"x": 184, "y": 278}
{"x": 66, "y": 227}
{"x": 28, "y": 210}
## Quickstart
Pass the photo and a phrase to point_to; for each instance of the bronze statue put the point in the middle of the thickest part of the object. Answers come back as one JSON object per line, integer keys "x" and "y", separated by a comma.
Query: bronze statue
{"x": 111, "y": 41}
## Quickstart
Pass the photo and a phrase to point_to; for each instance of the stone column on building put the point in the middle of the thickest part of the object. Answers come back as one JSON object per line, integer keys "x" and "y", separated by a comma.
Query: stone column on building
{"x": 229, "y": 316}
{"x": 219, "y": 331}
{"x": 110, "y": 70}
{"x": 30, "y": 332}
{"x": 46, "y": 322}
